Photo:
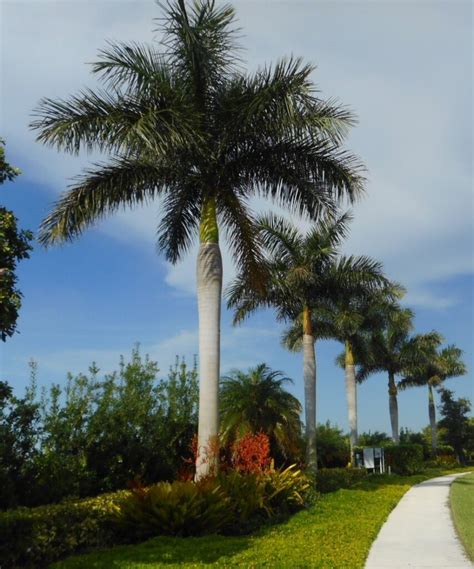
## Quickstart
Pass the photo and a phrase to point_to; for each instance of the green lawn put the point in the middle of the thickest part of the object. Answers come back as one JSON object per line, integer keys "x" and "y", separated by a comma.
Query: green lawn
{"x": 336, "y": 533}
{"x": 462, "y": 507}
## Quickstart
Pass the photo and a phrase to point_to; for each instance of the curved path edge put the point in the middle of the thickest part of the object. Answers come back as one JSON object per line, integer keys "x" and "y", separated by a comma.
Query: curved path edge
{"x": 419, "y": 532}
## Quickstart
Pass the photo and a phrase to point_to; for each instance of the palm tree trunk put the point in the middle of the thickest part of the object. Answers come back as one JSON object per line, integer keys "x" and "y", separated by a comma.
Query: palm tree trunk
{"x": 432, "y": 414}
{"x": 209, "y": 291}
{"x": 351, "y": 394}
{"x": 393, "y": 407}
{"x": 309, "y": 376}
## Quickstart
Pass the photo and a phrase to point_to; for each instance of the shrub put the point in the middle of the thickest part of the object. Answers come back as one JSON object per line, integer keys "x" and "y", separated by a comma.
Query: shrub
{"x": 180, "y": 508}
{"x": 331, "y": 479}
{"x": 34, "y": 537}
{"x": 333, "y": 446}
{"x": 405, "y": 459}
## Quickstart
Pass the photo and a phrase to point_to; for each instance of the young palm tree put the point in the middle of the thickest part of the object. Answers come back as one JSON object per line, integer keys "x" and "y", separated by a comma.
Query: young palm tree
{"x": 258, "y": 401}
{"x": 432, "y": 369}
{"x": 388, "y": 348}
{"x": 184, "y": 125}
{"x": 302, "y": 273}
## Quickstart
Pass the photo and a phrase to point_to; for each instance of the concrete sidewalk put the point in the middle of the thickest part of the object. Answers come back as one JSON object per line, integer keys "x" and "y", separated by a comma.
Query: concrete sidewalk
{"x": 419, "y": 533}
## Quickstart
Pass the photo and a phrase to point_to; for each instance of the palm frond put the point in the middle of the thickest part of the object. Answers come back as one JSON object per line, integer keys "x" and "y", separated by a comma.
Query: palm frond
{"x": 122, "y": 183}
{"x": 242, "y": 236}
{"x": 134, "y": 67}
{"x": 201, "y": 42}
{"x": 115, "y": 122}
{"x": 180, "y": 222}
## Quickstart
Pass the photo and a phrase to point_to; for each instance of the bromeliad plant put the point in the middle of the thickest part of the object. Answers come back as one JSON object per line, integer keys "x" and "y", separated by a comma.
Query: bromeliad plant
{"x": 185, "y": 125}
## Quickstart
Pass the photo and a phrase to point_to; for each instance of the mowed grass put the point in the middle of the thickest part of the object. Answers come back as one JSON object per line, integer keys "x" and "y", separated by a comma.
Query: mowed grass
{"x": 462, "y": 507}
{"x": 336, "y": 533}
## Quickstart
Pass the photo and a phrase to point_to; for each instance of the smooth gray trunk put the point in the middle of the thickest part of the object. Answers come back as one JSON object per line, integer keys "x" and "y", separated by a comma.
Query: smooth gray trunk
{"x": 309, "y": 375}
{"x": 209, "y": 291}
{"x": 351, "y": 394}
{"x": 432, "y": 414}
{"x": 393, "y": 408}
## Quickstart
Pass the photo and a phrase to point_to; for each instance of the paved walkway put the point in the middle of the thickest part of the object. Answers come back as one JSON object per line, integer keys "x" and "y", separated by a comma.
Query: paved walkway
{"x": 419, "y": 533}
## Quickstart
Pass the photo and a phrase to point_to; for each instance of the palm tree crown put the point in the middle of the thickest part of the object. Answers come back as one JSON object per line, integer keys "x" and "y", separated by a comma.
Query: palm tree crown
{"x": 186, "y": 125}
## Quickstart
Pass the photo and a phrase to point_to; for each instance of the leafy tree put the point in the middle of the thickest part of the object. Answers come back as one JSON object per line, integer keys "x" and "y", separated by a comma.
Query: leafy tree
{"x": 97, "y": 434}
{"x": 299, "y": 275}
{"x": 456, "y": 422}
{"x": 333, "y": 446}
{"x": 185, "y": 124}
{"x": 257, "y": 401}
{"x": 433, "y": 366}
{"x": 14, "y": 246}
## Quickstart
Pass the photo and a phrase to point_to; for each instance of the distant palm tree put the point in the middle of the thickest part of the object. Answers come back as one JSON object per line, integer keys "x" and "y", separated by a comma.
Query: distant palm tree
{"x": 388, "y": 348}
{"x": 354, "y": 312}
{"x": 186, "y": 125}
{"x": 258, "y": 401}
{"x": 432, "y": 369}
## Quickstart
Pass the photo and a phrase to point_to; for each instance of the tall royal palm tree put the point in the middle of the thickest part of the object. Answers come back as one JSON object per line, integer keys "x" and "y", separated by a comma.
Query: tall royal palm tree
{"x": 354, "y": 312}
{"x": 258, "y": 401}
{"x": 302, "y": 273}
{"x": 432, "y": 368}
{"x": 185, "y": 125}
{"x": 388, "y": 348}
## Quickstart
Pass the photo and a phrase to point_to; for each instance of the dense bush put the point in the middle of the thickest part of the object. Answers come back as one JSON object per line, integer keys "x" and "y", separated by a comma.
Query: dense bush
{"x": 95, "y": 435}
{"x": 405, "y": 459}
{"x": 34, "y": 537}
{"x": 331, "y": 479}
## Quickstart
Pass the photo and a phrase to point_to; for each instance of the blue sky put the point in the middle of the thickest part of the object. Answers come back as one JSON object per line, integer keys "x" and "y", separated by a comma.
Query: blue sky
{"x": 406, "y": 70}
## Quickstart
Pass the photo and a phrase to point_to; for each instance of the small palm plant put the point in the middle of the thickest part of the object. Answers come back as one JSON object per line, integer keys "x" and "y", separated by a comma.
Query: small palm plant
{"x": 185, "y": 125}
{"x": 257, "y": 401}
{"x": 433, "y": 367}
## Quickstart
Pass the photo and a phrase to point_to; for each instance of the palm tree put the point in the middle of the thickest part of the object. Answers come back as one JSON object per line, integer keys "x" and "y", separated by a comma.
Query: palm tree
{"x": 186, "y": 126}
{"x": 353, "y": 312}
{"x": 432, "y": 369}
{"x": 257, "y": 401}
{"x": 302, "y": 273}
{"x": 388, "y": 348}
{"x": 297, "y": 266}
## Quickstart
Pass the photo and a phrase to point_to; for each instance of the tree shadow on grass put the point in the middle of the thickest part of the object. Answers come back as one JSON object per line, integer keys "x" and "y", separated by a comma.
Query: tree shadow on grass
{"x": 162, "y": 551}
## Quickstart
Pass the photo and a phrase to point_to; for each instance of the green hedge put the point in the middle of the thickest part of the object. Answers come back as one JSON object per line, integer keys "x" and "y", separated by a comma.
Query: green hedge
{"x": 331, "y": 479}
{"x": 34, "y": 537}
{"x": 405, "y": 459}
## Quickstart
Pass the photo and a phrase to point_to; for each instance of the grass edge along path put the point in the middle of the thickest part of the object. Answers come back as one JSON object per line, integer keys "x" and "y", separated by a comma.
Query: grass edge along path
{"x": 335, "y": 533}
{"x": 461, "y": 499}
